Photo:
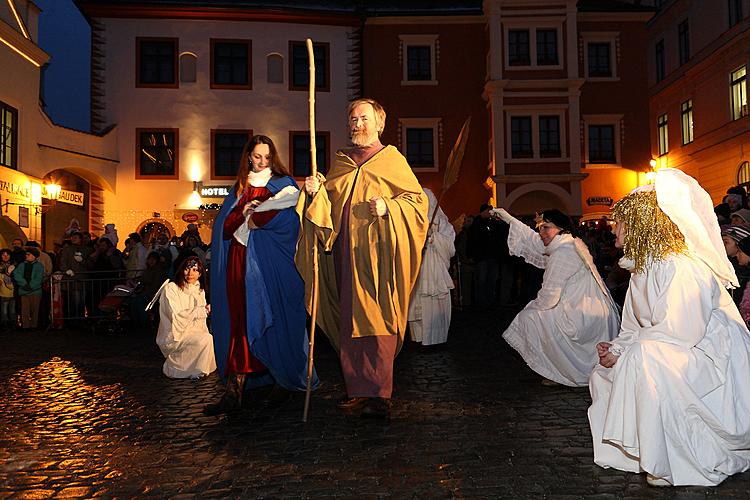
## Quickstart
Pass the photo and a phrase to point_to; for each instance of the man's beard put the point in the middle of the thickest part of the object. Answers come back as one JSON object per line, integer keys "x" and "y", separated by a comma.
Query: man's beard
{"x": 361, "y": 138}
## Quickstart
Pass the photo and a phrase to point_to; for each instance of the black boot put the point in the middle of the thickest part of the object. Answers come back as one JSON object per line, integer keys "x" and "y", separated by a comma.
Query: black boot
{"x": 231, "y": 401}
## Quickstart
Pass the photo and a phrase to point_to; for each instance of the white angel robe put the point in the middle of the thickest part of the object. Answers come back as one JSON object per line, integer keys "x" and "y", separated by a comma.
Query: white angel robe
{"x": 183, "y": 336}
{"x": 557, "y": 332}
{"x": 677, "y": 402}
{"x": 430, "y": 305}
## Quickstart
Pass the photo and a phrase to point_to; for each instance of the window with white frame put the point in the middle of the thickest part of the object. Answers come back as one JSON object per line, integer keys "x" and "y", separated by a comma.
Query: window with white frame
{"x": 602, "y": 140}
{"x": 686, "y": 119}
{"x": 662, "y": 128}
{"x": 419, "y": 59}
{"x": 419, "y": 141}
{"x": 600, "y": 55}
{"x": 533, "y": 45}
{"x": 536, "y": 134}
{"x": 738, "y": 87}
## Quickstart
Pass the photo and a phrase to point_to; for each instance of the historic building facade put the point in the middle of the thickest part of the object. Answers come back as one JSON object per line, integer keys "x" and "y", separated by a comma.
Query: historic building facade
{"x": 567, "y": 103}
{"x": 698, "y": 61}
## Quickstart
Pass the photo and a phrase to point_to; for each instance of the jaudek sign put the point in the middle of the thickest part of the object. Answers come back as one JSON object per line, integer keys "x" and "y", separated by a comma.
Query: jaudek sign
{"x": 215, "y": 191}
{"x": 599, "y": 200}
{"x": 71, "y": 197}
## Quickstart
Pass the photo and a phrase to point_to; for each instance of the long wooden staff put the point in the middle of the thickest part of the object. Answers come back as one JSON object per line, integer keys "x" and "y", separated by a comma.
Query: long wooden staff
{"x": 314, "y": 173}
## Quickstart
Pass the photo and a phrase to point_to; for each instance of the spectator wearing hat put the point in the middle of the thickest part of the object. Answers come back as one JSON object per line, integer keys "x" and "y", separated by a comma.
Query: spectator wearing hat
{"x": 731, "y": 235}
{"x": 556, "y": 332}
{"x": 29, "y": 276}
{"x": 736, "y": 198}
{"x": 740, "y": 217}
{"x": 743, "y": 259}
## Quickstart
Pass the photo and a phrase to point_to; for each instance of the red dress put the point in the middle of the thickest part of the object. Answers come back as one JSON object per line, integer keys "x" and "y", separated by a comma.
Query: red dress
{"x": 240, "y": 360}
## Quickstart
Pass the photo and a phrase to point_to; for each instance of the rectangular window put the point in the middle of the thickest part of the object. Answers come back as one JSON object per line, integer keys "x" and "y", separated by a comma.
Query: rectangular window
{"x": 420, "y": 147}
{"x": 659, "y": 59}
{"x": 735, "y": 12}
{"x": 549, "y": 136}
{"x": 156, "y": 62}
{"x": 299, "y": 67}
{"x": 226, "y": 151}
{"x": 683, "y": 35}
{"x": 738, "y": 88}
{"x": 418, "y": 62}
{"x": 520, "y": 137}
{"x": 602, "y": 144}
{"x": 299, "y": 149}
{"x": 8, "y": 136}
{"x": 687, "y": 121}
{"x": 157, "y": 156}
{"x": 663, "y": 132}
{"x": 599, "y": 63}
{"x": 518, "y": 48}
{"x": 546, "y": 47}
{"x": 231, "y": 64}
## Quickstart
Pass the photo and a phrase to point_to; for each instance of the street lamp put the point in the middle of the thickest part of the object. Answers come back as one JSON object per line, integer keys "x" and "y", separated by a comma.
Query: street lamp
{"x": 49, "y": 191}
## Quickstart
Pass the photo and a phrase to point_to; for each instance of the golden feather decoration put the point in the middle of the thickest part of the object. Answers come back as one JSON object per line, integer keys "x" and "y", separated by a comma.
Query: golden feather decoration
{"x": 650, "y": 234}
{"x": 453, "y": 166}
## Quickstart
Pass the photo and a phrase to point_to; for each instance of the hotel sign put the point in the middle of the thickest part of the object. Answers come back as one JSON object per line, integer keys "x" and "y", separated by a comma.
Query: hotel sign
{"x": 71, "y": 197}
{"x": 215, "y": 191}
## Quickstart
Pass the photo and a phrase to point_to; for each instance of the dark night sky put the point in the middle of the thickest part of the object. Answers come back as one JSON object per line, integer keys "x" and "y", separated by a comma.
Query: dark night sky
{"x": 65, "y": 36}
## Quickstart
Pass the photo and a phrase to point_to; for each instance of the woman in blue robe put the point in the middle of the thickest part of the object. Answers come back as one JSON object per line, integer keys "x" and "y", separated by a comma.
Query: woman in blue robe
{"x": 257, "y": 295}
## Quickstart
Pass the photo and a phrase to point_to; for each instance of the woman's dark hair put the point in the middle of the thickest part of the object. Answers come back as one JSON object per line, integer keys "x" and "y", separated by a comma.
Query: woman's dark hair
{"x": 6, "y": 250}
{"x": 276, "y": 165}
{"x": 179, "y": 274}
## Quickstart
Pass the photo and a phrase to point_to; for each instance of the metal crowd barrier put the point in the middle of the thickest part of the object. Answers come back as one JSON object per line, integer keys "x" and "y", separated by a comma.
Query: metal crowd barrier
{"x": 82, "y": 296}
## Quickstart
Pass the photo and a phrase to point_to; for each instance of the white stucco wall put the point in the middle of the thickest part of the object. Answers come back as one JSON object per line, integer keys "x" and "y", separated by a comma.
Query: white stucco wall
{"x": 195, "y": 108}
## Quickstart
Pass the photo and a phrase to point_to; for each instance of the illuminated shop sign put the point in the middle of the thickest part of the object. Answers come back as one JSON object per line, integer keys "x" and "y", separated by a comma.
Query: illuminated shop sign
{"x": 215, "y": 191}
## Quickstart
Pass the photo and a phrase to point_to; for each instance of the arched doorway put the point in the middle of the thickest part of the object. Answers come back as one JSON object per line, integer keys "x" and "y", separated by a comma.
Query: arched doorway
{"x": 537, "y": 201}
{"x": 151, "y": 229}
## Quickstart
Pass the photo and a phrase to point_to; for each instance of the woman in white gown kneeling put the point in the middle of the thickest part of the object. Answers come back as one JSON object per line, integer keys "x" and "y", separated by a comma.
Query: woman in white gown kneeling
{"x": 556, "y": 332}
{"x": 183, "y": 336}
{"x": 671, "y": 395}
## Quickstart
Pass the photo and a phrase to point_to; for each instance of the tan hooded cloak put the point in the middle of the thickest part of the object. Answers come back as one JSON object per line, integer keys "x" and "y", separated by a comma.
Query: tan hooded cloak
{"x": 386, "y": 251}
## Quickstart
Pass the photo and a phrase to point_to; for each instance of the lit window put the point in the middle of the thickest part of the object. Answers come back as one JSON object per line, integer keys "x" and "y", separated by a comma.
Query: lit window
{"x": 743, "y": 174}
{"x": 687, "y": 121}
{"x": 738, "y": 87}
{"x": 663, "y": 132}
{"x": 157, "y": 153}
{"x": 8, "y": 136}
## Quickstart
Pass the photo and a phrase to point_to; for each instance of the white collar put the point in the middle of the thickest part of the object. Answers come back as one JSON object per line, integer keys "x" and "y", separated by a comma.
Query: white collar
{"x": 259, "y": 179}
{"x": 557, "y": 241}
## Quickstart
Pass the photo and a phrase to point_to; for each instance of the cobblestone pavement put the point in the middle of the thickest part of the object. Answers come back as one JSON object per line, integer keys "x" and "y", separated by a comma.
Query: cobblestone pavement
{"x": 84, "y": 415}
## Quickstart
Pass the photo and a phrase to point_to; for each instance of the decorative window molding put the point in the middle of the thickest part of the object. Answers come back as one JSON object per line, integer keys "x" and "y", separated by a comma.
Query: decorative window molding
{"x": 419, "y": 56}
{"x": 593, "y": 40}
{"x": 188, "y": 67}
{"x": 532, "y": 26}
{"x": 274, "y": 68}
{"x": 414, "y": 142}
{"x": 534, "y": 114}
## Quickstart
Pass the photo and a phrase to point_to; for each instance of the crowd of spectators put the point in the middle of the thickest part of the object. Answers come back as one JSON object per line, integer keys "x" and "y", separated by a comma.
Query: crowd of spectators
{"x": 83, "y": 270}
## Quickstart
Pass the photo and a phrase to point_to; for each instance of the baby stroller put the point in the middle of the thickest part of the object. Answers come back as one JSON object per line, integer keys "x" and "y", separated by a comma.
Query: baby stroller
{"x": 114, "y": 308}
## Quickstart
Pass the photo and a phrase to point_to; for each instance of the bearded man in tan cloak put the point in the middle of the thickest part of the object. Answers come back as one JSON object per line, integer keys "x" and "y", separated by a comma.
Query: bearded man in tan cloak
{"x": 370, "y": 222}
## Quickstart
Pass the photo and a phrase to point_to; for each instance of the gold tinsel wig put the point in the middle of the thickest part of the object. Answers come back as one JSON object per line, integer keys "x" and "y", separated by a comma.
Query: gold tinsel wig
{"x": 650, "y": 234}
